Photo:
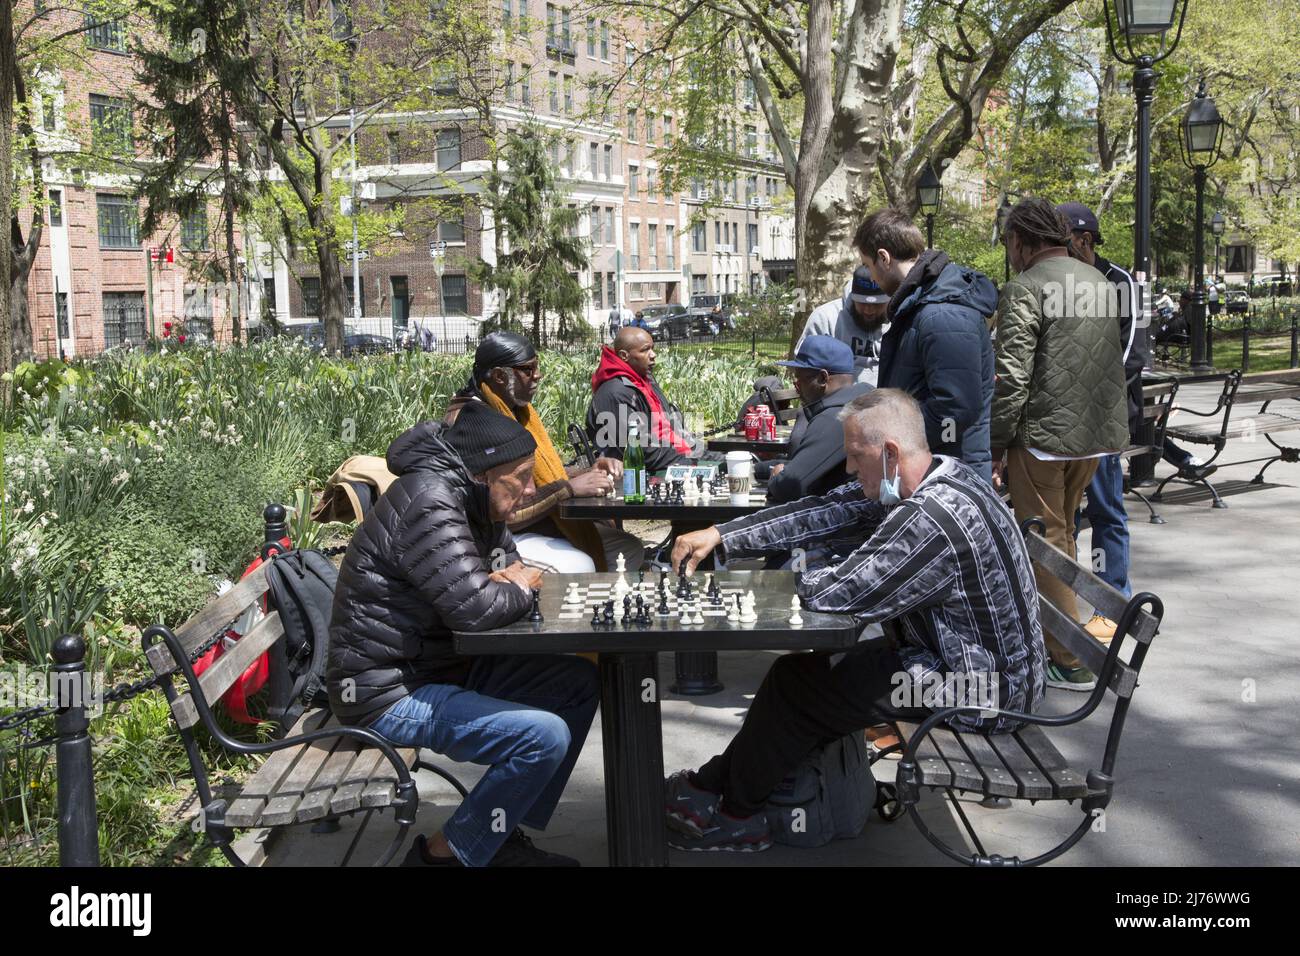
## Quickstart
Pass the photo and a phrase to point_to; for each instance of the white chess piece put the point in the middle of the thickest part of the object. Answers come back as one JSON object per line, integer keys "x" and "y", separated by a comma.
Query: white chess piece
{"x": 685, "y": 616}
{"x": 699, "y": 616}
{"x": 620, "y": 565}
{"x": 573, "y": 596}
{"x": 733, "y": 613}
{"x": 747, "y": 613}
{"x": 795, "y": 606}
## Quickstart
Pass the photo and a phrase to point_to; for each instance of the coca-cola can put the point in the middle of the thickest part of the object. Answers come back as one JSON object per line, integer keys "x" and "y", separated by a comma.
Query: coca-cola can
{"x": 769, "y": 427}
{"x": 752, "y": 425}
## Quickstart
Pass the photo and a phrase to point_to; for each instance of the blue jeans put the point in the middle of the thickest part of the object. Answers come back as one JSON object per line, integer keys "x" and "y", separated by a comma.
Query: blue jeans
{"x": 1109, "y": 521}
{"x": 525, "y": 717}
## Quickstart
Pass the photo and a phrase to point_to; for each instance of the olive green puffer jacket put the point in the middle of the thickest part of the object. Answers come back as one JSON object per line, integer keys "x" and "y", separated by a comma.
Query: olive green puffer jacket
{"x": 1059, "y": 362}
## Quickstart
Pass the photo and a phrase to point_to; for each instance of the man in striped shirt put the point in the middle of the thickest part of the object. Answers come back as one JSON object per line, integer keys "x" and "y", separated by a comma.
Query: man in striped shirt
{"x": 933, "y": 553}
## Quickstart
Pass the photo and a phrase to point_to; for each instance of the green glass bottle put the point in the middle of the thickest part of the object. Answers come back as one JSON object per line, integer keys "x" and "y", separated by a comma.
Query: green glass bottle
{"x": 634, "y": 474}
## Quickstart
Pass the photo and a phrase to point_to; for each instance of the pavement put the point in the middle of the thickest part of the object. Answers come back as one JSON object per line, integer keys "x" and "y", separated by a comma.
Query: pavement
{"x": 1208, "y": 771}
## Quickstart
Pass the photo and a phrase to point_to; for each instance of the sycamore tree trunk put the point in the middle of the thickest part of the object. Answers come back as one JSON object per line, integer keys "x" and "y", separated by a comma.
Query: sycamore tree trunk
{"x": 856, "y": 123}
{"x": 333, "y": 299}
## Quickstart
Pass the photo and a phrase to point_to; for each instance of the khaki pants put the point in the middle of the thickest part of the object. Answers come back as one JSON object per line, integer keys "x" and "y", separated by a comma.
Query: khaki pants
{"x": 1051, "y": 490}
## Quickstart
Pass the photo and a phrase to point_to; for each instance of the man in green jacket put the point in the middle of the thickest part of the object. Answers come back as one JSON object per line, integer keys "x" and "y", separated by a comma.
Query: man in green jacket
{"x": 1059, "y": 397}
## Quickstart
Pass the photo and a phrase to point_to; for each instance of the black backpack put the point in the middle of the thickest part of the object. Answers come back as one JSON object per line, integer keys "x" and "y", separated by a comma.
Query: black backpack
{"x": 300, "y": 586}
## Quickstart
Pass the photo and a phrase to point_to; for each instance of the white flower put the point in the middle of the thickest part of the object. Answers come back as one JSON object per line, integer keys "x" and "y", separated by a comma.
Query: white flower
{"x": 29, "y": 507}
{"x": 121, "y": 476}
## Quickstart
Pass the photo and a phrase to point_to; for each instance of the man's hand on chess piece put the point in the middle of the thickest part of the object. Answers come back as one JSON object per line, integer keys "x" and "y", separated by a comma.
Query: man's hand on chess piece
{"x": 611, "y": 466}
{"x": 777, "y": 468}
{"x": 525, "y": 577}
{"x": 695, "y": 547}
{"x": 595, "y": 483}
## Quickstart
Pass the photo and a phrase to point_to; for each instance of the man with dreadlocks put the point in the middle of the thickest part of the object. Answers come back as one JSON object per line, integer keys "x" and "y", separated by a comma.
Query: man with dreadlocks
{"x": 1059, "y": 402}
{"x": 506, "y": 376}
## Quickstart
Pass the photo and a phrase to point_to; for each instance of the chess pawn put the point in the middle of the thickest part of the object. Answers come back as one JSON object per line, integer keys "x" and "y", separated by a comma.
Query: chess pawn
{"x": 685, "y": 616}
{"x": 796, "y": 618}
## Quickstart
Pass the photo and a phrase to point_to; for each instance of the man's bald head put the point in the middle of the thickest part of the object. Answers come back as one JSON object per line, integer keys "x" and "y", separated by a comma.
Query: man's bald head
{"x": 636, "y": 347}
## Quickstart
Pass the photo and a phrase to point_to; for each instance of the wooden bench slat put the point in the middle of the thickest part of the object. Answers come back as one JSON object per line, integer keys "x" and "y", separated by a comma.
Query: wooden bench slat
{"x": 1088, "y": 586}
{"x": 378, "y": 794}
{"x": 219, "y": 677}
{"x": 1241, "y": 424}
{"x": 246, "y": 809}
{"x": 1084, "y": 646}
{"x": 932, "y": 769}
{"x": 284, "y": 801}
{"x": 1029, "y": 778}
{"x": 965, "y": 775}
{"x": 316, "y": 803}
{"x": 1068, "y": 784}
{"x": 347, "y": 796}
{"x": 222, "y": 611}
{"x": 997, "y": 781}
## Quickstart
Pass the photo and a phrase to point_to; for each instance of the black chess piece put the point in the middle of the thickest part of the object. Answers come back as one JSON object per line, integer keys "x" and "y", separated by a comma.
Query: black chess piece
{"x": 641, "y": 616}
{"x": 536, "y": 615}
{"x": 714, "y": 594}
{"x": 683, "y": 586}
{"x": 663, "y": 603}
{"x": 596, "y": 620}
{"x": 663, "y": 579}
{"x": 609, "y": 613}
{"x": 627, "y": 607}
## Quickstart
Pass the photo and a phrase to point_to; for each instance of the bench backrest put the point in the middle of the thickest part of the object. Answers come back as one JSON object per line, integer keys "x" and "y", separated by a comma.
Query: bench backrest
{"x": 1101, "y": 596}
{"x": 214, "y": 619}
{"x": 780, "y": 401}
{"x": 1157, "y": 402}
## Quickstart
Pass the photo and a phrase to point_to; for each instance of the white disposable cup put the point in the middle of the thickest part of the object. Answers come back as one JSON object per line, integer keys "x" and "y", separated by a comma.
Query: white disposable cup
{"x": 738, "y": 488}
{"x": 740, "y": 464}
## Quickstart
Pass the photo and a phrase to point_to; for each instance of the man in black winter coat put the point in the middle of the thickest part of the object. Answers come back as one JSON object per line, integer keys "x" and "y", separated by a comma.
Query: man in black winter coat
{"x": 938, "y": 347}
{"x": 433, "y": 556}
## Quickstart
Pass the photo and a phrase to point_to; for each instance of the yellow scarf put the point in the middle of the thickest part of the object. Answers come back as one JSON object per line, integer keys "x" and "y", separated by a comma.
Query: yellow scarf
{"x": 548, "y": 468}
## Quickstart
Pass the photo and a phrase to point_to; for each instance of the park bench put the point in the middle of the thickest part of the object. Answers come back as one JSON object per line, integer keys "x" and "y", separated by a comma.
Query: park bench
{"x": 1157, "y": 402}
{"x": 780, "y": 402}
{"x": 317, "y": 771}
{"x": 1267, "y": 389}
{"x": 1026, "y": 765}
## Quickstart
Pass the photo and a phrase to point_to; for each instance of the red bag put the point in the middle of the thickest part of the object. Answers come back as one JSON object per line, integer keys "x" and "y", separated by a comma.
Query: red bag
{"x": 254, "y": 678}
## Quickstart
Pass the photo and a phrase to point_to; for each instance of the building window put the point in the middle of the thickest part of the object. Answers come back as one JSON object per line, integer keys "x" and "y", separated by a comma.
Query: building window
{"x": 119, "y": 223}
{"x": 604, "y": 40}
{"x": 751, "y": 230}
{"x": 699, "y": 284}
{"x": 48, "y": 117}
{"x": 550, "y": 24}
{"x": 593, "y": 153}
{"x": 194, "y": 231}
{"x": 566, "y": 40}
{"x": 609, "y": 226}
{"x": 452, "y": 231}
{"x": 455, "y": 299}
{"x": 633, "y": 181}
{"x": 56, "y": 207}
{"x": 650, "y": 128}
{"x": 505, "y": 16}
{"x": 394, "y": 144}
{"x": 629, "y": 54}
{"x": 123, "y": 318}
{"x": 597, "y": 290}
{"x": 634, "y": 244}
{"x": 751, "y": 142}
{"x": 110, "y": 35}
{"x": 311, "y": 296}
{"x": 699, "y": 237}
{"x": 61, "y": 315}
{"x": 568, "y": 94}
{"x": 553, "y": 90}
{"x": 521, "y": 21}
{"x": 670, "y": 241}
{"x": 591, "y": 37}
{"x": 749, "y": 93}
{"x": 717, "y": 232}
{"x": 653, "y": 245}
{"x": 631, "y": 125}
{"x": 110, "y": 124}
{"x": 448, "y": 149}
{"x": 609, "y": 162}
{"x": 1239, "y": 258}
{"x": 650, "y": 185}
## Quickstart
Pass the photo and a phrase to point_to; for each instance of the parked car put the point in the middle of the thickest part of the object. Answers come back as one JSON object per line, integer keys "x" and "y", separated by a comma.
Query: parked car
{"x": 665, "y": 322}
{"x": 711, "y": 313}
{"x": 354, "y": 343}
{"x": 1237, "y": 302}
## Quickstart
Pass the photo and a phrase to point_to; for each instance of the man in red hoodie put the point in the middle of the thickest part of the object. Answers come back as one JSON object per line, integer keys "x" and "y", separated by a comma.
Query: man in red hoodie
{"x": 624, "y": 390}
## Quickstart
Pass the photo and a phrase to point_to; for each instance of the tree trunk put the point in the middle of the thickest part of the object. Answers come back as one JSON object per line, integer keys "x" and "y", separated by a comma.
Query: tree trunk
{"x": 7, "y": 67}
{"x": 20, "y": 323}
{"x": 228, "y": 211}
{"x": 331, "y": 288}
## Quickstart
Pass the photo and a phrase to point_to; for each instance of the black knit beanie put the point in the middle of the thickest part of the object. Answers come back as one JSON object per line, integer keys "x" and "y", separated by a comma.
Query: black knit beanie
{"x": 484, "y": 438}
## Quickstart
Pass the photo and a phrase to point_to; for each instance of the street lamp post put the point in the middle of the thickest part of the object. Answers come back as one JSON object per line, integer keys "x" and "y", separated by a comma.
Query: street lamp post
{"x": 1202, "y": 131}
{"x": 1138, "y": 18}
{"x": 1004, "y": 210}
{"x": 928, "y": 192}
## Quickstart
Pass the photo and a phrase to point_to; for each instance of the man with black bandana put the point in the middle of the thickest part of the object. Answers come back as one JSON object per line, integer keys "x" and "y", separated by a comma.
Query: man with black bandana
{"x": 506, "y": 376}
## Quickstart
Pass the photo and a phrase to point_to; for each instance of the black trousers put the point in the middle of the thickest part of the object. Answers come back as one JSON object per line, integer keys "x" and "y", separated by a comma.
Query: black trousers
{"x": 804, "y": 701}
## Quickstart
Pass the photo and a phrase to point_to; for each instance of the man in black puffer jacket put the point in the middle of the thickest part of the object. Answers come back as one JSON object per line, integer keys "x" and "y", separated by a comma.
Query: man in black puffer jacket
{"x": 432, "y": 556}
{"x": 937, "y": 348}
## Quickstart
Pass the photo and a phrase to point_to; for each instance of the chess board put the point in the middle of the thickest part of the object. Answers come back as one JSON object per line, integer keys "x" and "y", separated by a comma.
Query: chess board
{"x": 757, "y": 499}
{"x": 599, "y": 594}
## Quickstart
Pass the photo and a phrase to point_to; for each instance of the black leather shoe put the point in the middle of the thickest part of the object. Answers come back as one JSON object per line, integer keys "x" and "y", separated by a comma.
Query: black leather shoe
{"x": 415, "y": 856}
{"x": 1197, "y": 472}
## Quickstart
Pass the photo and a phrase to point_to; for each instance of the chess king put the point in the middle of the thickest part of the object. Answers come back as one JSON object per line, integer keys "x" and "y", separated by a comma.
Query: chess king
{"x": 433, "y": 556}
{"x": 932, "y": 549}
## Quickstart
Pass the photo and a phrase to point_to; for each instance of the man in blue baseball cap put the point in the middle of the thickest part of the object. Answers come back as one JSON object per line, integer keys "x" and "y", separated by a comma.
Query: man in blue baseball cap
{"x": 857, "y": 320}
{"x": 824, "y": 375}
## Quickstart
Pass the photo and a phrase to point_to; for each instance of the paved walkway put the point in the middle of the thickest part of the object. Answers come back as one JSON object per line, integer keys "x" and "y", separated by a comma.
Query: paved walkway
{"x": 1209, "y": 766}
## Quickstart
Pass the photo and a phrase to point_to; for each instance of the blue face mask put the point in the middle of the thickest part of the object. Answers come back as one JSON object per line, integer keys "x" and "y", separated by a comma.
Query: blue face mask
{"x": 889, "y": 488}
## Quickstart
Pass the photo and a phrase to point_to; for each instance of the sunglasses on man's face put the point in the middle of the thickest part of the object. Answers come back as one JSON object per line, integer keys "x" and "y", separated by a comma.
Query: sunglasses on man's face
{"x": 529, "y": 370}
